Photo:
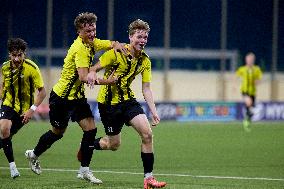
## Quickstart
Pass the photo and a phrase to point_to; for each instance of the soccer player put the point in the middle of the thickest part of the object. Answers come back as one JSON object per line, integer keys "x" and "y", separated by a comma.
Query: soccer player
{"x": 21, "y": 77}
{"x": 67, "y": 98}
{"x": 250, "y": 75}
{"x": 117, "y": 103}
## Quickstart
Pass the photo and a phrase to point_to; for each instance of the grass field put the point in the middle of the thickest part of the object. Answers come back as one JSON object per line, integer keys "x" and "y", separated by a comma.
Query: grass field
{"x": 188, "y": 155}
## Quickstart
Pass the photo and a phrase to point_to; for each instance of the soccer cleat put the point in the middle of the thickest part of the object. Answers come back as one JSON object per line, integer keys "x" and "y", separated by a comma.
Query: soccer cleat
{"x": 246, "y": 124}
{"x": 151, "y": 182}
{"x": 88, "y": 176}
{"x": 33, "y": 162}
{"x": 14, "y": 172}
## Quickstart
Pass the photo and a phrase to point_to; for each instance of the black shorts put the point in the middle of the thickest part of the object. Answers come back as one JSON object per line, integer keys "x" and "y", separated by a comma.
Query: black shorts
{"x": 115, "y": 116}
{"x": 61, "y": 110}
{"x": 251, "y": 96}
{"x": 7, "y": 112}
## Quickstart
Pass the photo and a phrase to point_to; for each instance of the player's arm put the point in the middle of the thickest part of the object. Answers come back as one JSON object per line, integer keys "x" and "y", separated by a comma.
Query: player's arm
{"x": 148, "y": 96}
{"x": 108, "y": 45}
{"x": 107, "y": 59}
{"x": 41, "y": 94}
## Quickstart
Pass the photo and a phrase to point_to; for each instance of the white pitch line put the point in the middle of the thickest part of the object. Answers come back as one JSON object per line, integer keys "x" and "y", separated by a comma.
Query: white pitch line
{"x": 164, "y": 174}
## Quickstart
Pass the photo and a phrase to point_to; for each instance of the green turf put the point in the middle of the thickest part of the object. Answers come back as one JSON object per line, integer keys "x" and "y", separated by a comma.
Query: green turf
{"x": 191, "y": 149}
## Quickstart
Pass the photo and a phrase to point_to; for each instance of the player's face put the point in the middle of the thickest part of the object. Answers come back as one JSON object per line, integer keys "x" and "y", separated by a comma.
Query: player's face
{"x": 139, "y": 39}
{"x": 250, "y": 60}
{"x": 88, "y": 33}
{"x": 17, "y": 57}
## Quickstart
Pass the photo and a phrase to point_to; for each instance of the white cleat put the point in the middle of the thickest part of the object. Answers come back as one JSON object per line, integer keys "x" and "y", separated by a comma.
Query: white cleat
{"x": 14, "y": 172}
{"x": 33, "y": 162}
{"x": 88, "y": 175}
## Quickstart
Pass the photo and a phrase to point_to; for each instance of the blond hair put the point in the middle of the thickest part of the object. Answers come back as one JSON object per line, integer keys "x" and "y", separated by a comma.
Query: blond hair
{"x": 138, "y": 25}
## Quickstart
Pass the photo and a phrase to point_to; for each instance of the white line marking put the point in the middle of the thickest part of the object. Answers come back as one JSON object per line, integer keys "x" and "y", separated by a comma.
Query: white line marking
{"x": 164, "y": 174}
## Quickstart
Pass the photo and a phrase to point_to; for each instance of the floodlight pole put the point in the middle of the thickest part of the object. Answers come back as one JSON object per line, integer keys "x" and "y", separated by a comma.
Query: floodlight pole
{"x": 49, "y": 18}
{"x": 222, "y": 85}
{"x": 167, "y": 31}
{"x": 110, "y": 19}
{"x": 273, "y": 80}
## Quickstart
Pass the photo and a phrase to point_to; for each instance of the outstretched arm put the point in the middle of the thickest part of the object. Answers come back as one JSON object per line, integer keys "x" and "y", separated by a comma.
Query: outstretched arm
{"x": 148, "y": 96}
{"x": 38, "y": 100}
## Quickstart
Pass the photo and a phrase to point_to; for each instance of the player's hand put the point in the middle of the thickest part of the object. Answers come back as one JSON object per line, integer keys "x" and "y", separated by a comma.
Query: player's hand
{"x": 27, "y": 116}
{"x": 119, "y": 47}
{"x": 112, "y": 79}
{"x": 92, "y": 79}
{"x": 155, "y": 119}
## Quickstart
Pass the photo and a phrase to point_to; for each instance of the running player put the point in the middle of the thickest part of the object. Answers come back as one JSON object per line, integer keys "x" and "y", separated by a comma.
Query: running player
{"x": 67, "y": 98}
{"x": 21, "y": 77}
{"x": 117, "y": 103}
{"x": 250, "y": 75}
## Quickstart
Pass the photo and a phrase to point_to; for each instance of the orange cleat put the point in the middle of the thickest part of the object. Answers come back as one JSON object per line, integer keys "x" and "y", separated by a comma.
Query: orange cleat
{"x": 151, "y": 182}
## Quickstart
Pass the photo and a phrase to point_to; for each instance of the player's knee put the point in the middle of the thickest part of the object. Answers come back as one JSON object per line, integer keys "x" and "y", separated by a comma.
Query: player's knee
{"x": 114, "y": 145}
{"x": 5, "y": 132}
{"x": 147, "y": 137}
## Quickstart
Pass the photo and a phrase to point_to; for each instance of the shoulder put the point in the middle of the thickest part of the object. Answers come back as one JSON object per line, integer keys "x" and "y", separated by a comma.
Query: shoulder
{"x": 6, "y": 64}
{"x": 30, "y": 64}
{"x": 77, "y": 45}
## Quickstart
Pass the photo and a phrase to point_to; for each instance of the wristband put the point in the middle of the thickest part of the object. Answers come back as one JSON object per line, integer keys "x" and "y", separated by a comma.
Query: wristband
{"x": 33, "y": 107}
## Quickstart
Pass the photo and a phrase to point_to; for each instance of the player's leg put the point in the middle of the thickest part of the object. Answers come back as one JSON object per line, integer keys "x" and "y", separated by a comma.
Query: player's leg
{"x": 5, "y": 126}
{"x": 141, "y": 125}
{"x": 9, "y": 121}
{"x": 59, "y": 116}
{"x": 248, "y": 104}
{"x": 84, "y": 117}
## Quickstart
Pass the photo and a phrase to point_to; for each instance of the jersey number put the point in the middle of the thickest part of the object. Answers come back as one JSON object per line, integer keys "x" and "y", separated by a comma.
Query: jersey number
{"x": 109, "y": 129}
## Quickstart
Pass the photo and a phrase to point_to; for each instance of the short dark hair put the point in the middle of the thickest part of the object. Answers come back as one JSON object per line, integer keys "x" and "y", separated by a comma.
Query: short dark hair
{"x": 16, "y": 44}
{"x": 83, "y": 19}
{"x": 138, "y": 25}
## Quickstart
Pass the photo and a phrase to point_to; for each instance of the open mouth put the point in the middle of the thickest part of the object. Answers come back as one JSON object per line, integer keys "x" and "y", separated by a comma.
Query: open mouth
{"x": 142, "y": 46}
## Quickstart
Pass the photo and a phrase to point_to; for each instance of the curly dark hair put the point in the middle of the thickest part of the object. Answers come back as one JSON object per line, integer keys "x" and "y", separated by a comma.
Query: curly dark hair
{"x": 84, "y": 18}
{"x": 16, "y": 44}
{"x": 138, "y": 25}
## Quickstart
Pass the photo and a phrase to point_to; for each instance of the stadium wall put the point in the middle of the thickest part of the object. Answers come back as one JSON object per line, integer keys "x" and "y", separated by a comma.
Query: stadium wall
{"x": 189, "y": 86}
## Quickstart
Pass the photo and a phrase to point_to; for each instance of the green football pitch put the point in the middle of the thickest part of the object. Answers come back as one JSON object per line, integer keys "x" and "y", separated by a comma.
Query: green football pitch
{"x": 188, "y": 155}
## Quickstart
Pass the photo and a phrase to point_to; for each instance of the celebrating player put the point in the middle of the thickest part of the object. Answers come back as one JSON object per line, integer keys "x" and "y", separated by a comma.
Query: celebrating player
{"x": 67, "y": 98}
{"x": 117, "y": 103}
{"x": 21, "y": 77}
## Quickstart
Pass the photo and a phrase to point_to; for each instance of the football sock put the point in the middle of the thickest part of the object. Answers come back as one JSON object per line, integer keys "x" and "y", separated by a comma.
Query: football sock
{"x": 97, "y": 145}
{"x": 87, "y": 146}
{"x": 45, "y": 142}
{"x": 12, "y": 164}
{"x": 8, "y": 149}
{"x": 148, "y": 162}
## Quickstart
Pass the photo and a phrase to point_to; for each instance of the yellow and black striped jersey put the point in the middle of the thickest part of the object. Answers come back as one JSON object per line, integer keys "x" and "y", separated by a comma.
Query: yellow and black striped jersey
{"x": 19, "y": 85}
{"x": 249, "y": 76}
{"x": 125, "y": 70}
{"x": 79, "y": 55}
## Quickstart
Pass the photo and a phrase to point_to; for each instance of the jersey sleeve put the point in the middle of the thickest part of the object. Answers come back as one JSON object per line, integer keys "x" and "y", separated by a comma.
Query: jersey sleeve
{"x": 146, "y": 73}
{"x": 82, "y": 58}
{"x": 239, "y": 72}
{"x": 108, "y": 58}
{"x": 258, "y": 74}
{"x": 102, "y": 44}
{"x": 37, "y": 77}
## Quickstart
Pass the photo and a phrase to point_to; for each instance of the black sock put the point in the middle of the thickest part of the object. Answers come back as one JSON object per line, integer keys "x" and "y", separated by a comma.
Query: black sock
{"x": 8, "y": 149}
{"x": 1, "y": 145}
{"x": 45, "y": 142}
{"x": 97, "y": 145}
{"x": 148, "y": 162}
{"x": 87, "y": 146}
